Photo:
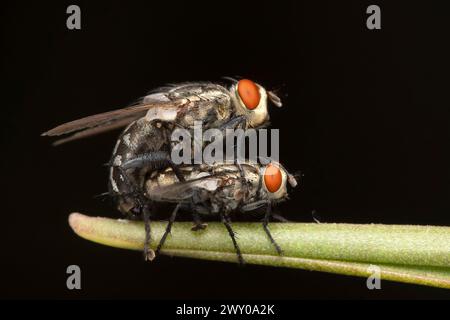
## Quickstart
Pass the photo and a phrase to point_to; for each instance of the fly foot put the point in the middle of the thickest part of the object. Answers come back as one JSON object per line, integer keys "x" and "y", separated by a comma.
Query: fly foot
{"x": 149, "y": 255}
{"x": 199, "y": 226}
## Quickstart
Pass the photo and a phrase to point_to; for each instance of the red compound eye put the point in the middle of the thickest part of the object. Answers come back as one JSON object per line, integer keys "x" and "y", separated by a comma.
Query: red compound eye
{"x": 249, "y": 93}
{"x": 272, "y": 178}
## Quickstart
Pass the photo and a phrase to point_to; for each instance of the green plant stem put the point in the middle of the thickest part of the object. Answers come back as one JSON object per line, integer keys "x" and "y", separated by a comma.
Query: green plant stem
{"x": 412, "y": 254}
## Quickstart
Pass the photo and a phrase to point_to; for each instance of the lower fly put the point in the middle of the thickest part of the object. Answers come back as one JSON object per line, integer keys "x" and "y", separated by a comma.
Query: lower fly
{"x": 219, "y": 190}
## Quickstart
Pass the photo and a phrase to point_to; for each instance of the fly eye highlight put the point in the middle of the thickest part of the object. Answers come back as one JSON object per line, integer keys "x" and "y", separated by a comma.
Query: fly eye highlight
{"x": 249, "y": 93}
{"x": 272, "y": 178}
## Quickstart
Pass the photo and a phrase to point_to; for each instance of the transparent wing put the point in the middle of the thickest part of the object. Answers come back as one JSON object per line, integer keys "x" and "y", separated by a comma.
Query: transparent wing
{"x": 184, "y": 191}
{"x": 165, "y": 103}
{"x": 95, "y": 130}
{"x": 107, "y": 121}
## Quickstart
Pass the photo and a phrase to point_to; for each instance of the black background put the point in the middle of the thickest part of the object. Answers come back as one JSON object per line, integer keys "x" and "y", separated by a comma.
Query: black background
{"x": 365, "y": 119}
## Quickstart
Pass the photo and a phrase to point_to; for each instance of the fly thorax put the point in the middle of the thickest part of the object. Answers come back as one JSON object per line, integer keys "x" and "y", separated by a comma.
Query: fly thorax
{"x": 223, "y": 112}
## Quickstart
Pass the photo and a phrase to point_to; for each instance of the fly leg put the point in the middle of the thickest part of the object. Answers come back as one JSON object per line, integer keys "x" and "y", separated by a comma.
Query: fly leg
{"x": 226, "y": 222}
{"x": 155, "y": 160}
{"x": 266, "y": 229}
{"x": 168, "y": 229}
{"x": 198, "y": 224}
{"x": 234, "y": 123}
{"x": 149, "y": 254}
{"x": 143, "y": 208}
{"x": 244, "y": 183}
{"x": 198, "y": 198}
{"x": 177, "y": 171}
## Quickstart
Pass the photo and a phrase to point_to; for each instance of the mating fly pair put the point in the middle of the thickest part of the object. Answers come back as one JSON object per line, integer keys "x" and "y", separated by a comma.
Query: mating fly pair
{"x": 142, "y": 153}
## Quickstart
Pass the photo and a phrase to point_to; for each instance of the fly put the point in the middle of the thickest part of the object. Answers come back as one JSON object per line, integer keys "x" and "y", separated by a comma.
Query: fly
{"x": 144, "y": 147}
{"x": 221, "y": 189}
{"x": 244, "y": 104}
